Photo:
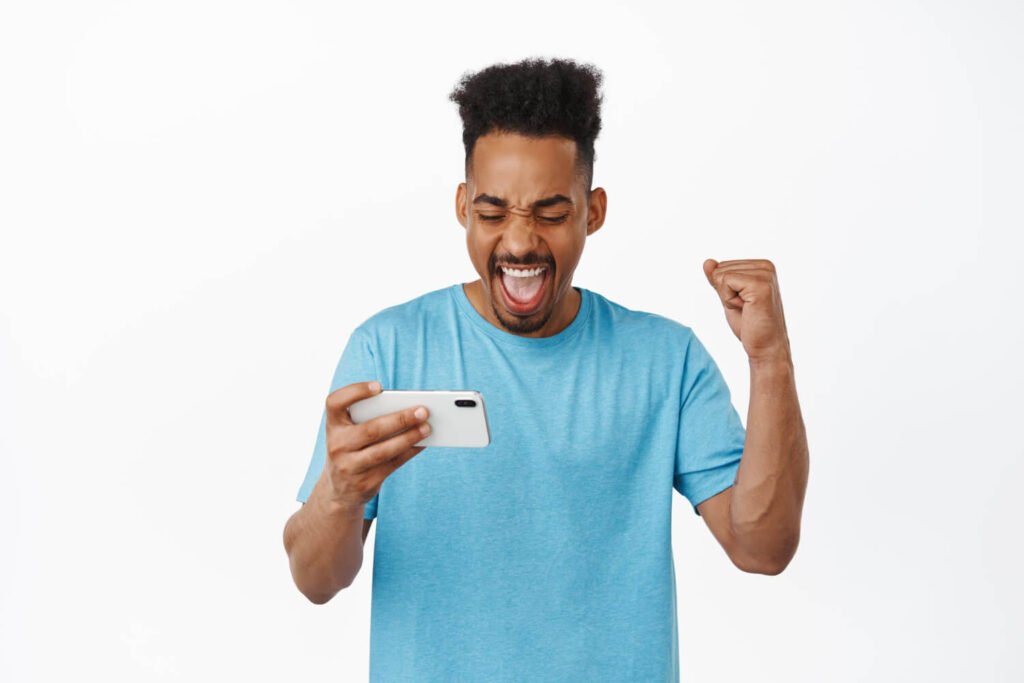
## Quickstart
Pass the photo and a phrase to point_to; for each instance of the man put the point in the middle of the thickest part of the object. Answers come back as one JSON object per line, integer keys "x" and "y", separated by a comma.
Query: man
{"x": 545, "y": 556}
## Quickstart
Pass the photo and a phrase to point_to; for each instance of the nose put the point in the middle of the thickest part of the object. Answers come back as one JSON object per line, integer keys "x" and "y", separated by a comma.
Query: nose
{"x": 519, "y": 237}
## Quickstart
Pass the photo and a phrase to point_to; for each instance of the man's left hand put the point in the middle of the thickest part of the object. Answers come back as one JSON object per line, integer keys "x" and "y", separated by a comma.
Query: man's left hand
{"x": 749, "y": 292}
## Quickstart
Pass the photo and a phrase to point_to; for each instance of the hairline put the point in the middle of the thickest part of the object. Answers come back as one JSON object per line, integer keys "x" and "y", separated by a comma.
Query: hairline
{"x": 578, "y": 164}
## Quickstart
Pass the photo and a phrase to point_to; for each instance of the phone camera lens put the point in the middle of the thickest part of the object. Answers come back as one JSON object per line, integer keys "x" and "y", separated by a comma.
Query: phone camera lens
{"x": 465, "y": 403}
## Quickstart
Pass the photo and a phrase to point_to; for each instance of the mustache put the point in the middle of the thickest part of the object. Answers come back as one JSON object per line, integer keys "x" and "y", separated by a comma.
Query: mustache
{"x": 526, "y": 261}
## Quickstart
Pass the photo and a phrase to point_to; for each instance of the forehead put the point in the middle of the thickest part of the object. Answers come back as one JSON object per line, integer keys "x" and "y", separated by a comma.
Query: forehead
{"x": 521, "y": 169}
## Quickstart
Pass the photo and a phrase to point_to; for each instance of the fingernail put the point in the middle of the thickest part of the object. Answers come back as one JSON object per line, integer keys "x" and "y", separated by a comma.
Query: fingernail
{"x": 375, "y": 386}
{"x": 420, "y": 412}
{"x": 424, "y": 429}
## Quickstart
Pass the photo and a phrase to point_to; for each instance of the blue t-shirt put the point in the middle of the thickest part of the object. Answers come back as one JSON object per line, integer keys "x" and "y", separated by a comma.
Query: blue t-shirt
{"x": 546, "y": 555}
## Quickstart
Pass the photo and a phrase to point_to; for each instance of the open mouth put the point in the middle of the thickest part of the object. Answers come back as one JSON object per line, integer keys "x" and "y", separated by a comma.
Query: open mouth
{"x": 523, "y": 289}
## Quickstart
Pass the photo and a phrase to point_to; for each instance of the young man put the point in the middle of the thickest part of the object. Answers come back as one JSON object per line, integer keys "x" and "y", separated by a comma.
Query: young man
{"x": 546, "y": 555}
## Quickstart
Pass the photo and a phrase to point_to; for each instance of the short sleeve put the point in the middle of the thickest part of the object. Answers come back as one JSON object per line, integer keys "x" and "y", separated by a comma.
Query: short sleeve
{"x": 355, "y": 365}
{"x": 711, "y": 437}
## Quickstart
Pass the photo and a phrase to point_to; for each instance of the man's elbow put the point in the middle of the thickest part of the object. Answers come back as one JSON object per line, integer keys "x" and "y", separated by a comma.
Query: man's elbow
{"x": 770, "y": 568}
{"x": 770, "y": 565}
{"x": 319, "y": 598}
{"x": 316, "y": 594}
{"x": 766, "y": 569}
{"x": 301, "y": 579}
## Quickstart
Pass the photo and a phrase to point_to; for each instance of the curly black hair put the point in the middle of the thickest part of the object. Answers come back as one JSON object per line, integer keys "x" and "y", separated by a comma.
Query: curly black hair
{"x": 534, "y": 97}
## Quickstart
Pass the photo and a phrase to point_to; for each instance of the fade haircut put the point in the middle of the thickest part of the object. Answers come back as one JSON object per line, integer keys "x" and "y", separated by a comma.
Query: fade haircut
{"x": 533, "y": 97}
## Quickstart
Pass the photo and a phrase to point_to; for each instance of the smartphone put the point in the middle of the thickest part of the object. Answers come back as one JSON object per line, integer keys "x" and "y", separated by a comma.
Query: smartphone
{"x": 457, "y": 419}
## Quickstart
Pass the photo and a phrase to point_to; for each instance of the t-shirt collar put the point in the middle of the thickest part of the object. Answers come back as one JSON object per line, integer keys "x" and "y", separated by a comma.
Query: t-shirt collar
{"x": 571, "y": 330}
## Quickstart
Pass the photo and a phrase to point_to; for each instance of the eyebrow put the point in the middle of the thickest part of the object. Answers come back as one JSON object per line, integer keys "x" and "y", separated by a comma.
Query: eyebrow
{"x": 539, "y": 204}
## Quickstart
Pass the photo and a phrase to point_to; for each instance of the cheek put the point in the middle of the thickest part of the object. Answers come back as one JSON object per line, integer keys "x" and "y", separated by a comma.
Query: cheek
{"x": 480, "y": 248}
{"x": 568, "y": 252}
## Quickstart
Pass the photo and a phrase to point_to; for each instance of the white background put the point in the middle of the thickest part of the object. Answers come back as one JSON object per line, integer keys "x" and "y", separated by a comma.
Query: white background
{"x": 199, "y": 201}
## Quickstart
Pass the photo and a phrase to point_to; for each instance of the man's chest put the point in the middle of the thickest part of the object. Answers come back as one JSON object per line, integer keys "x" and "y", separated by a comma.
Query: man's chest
{"x": 606, "y": 420}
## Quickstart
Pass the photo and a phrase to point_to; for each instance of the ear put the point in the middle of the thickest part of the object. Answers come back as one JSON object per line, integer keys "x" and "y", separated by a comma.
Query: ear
{"x": 460, "y": 204}
{"x": 596, "y": 209}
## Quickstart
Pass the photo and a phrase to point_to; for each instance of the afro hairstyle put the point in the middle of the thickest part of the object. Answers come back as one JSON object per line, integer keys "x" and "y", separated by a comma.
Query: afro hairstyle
{"x": 537, "y": 98}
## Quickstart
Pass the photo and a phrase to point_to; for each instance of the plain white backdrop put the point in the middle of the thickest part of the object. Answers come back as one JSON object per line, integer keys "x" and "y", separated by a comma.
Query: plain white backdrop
{"x": 200, "y": 200}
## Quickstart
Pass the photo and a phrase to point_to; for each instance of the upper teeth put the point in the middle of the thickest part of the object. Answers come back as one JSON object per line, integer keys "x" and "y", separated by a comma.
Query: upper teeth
{"x": 523, "y": 273}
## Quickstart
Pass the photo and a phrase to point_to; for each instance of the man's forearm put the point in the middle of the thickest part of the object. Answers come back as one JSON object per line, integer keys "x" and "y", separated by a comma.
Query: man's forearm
{"x": 767, "y": 499}
{"x": 324, "y": 542}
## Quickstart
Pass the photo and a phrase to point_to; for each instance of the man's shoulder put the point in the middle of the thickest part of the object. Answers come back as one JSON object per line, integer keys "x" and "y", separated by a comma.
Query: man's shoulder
{"x": 409, "y": 313}
{"x": 649, "y": 327}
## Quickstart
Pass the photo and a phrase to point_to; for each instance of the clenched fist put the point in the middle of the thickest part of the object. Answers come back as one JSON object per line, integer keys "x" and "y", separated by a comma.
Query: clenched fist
{"x": 749, "y": 291}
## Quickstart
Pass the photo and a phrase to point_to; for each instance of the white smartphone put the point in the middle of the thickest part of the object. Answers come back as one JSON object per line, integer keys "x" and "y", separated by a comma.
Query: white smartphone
{"x": 457, "y": 419}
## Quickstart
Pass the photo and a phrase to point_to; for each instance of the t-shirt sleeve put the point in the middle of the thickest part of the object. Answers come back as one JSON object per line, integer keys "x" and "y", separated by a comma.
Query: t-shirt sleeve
{"x": 355, "y": 365}
{"x": 711, "y": 436}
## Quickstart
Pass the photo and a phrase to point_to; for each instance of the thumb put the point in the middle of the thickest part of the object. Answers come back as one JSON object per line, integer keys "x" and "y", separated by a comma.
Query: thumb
{"x": 709, "y": 267}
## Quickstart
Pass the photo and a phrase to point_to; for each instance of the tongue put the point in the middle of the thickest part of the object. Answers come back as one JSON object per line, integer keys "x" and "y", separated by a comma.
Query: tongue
{"x": 523, "y": 289}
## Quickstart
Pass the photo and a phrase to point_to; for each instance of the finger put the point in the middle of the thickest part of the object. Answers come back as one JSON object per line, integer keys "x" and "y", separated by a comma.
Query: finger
{"x": 728, "y": 285}
{"x": 369, "y": 432}
{"x": 385, "y": 450}
{"x": 339, "y": 400}
{"x": 709, "y": 268}
{"x": 394, "y": 463}
{"x": 748, "y": 265}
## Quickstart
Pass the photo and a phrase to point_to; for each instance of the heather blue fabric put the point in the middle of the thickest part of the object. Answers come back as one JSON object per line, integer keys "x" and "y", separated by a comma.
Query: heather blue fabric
{"x": 545, "y": 556}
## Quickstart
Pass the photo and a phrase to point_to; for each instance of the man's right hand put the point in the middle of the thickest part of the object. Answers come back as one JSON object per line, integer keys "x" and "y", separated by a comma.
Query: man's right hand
{"x": 359, "y": 457}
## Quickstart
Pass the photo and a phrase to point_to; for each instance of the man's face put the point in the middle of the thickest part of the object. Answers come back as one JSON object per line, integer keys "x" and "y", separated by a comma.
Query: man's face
{"x": 524, "y": 208}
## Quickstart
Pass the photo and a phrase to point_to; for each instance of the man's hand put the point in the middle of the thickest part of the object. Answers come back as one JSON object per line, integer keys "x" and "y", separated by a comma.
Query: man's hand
{"x": 359, "y": 457}
{"x": 749, "y": 292}
{"x": 324, "y": 538}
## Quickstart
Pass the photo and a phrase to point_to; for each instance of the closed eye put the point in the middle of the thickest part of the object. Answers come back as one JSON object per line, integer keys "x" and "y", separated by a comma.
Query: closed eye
{"x": 546, "y": 219}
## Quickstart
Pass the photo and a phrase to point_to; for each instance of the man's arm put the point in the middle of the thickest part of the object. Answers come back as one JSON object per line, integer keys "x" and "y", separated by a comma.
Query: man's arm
{"x": 324, "y": 549}
{"x": 322, "y": 538}
{"x": 757, "y": 519}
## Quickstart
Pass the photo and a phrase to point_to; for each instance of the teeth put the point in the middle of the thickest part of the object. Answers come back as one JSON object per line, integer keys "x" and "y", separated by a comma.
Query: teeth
{"x": 523, "y": 273}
